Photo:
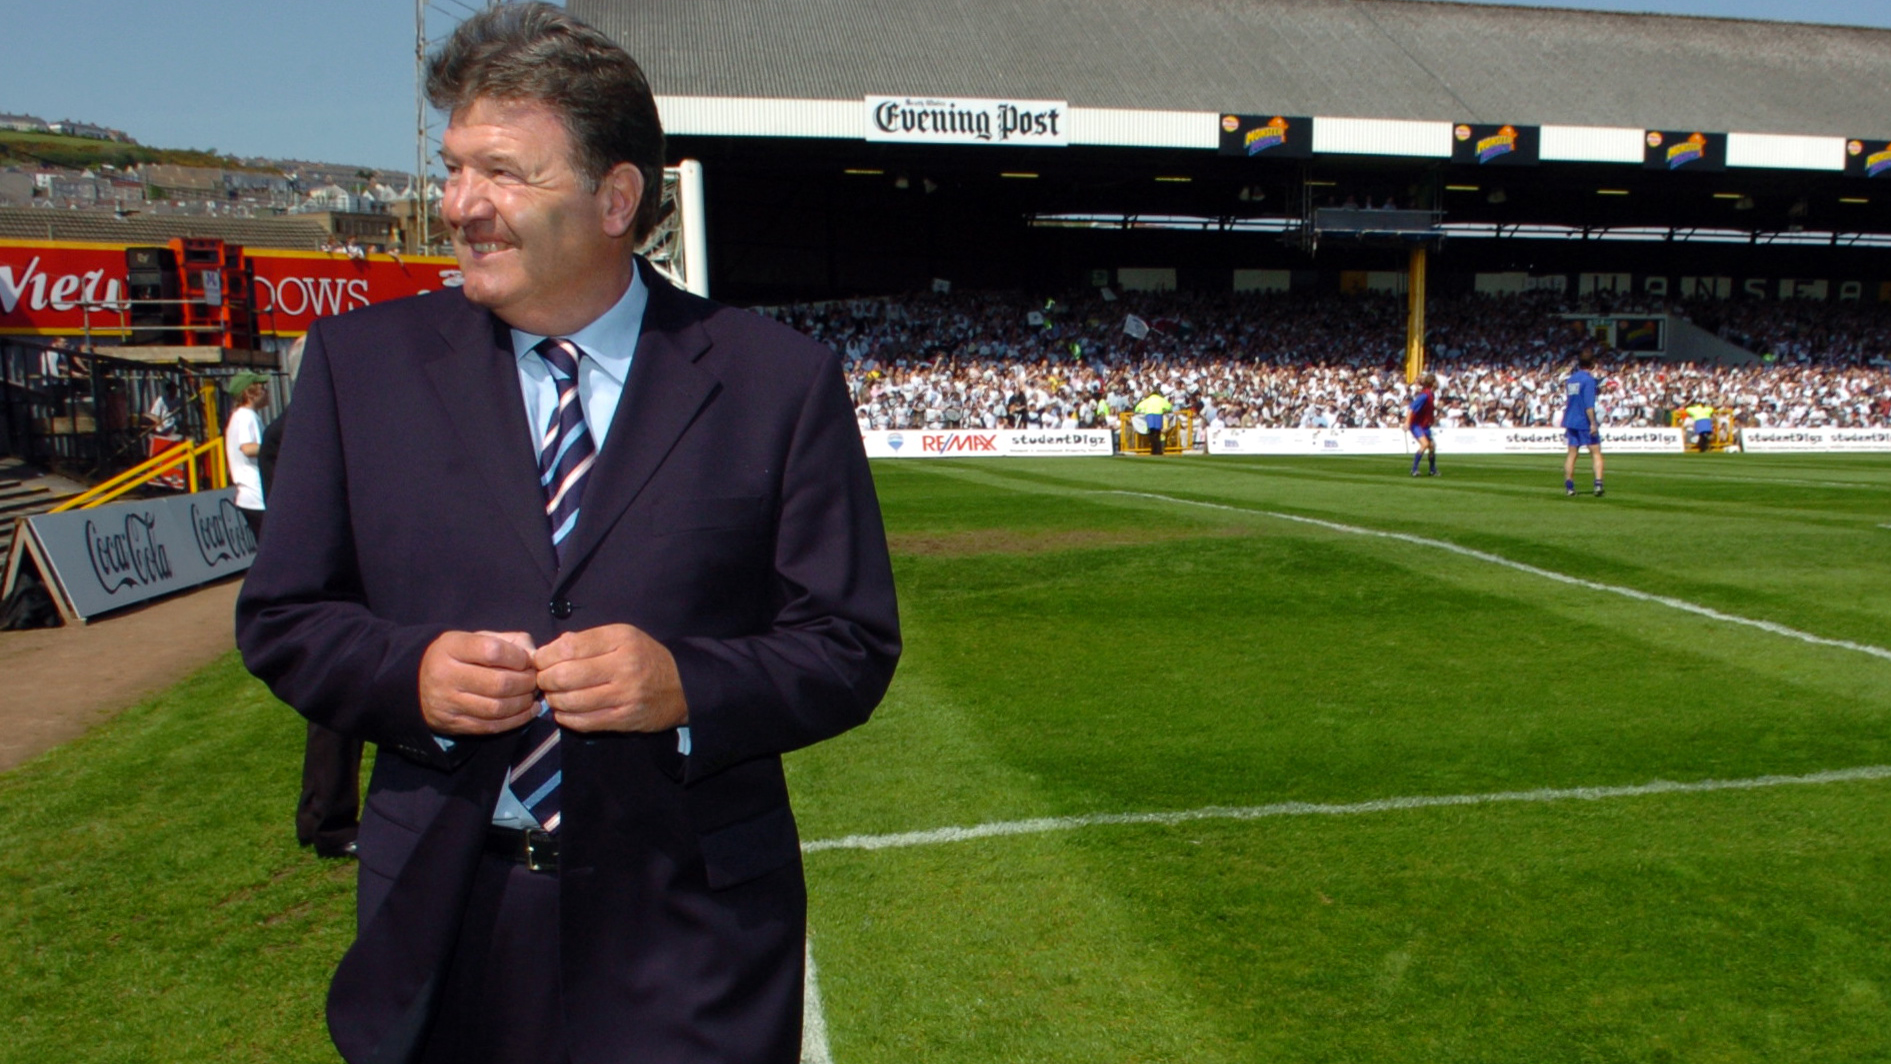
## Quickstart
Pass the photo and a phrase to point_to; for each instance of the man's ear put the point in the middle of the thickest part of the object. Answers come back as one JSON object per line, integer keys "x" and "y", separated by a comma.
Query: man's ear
{"x": 619, "y": 192}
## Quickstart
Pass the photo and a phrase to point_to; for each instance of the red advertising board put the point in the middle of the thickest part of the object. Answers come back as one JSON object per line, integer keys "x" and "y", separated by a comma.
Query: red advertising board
{"x": 45, "y": 285}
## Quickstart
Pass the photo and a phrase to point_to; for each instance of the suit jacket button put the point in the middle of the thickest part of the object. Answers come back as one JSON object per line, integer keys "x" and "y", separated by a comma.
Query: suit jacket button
{"x": 561, "y": 608}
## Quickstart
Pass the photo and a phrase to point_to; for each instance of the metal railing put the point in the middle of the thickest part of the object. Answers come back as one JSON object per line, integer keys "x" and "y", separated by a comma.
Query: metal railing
{"x": 92, "y": 417}
{"x": 185, "y": 454}
{"x": 126, "y": 328}
{"x": 1178, "y": 433}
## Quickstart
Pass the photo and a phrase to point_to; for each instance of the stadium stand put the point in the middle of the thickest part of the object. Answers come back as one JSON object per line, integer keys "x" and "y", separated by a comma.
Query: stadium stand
{"x": 978, "y": 360}
{"x": 1397, "y": 59}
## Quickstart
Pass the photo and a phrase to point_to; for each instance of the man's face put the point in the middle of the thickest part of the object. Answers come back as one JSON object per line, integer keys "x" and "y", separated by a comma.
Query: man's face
{"x": 537, "y": 245}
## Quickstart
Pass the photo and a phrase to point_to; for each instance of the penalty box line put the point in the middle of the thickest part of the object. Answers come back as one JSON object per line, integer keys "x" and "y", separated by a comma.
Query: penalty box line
{"x": 1548, "y": 574}
{"x": 1043, "y": 825}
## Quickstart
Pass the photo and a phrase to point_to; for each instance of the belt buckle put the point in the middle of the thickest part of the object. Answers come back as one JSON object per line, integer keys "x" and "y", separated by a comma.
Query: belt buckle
{"x": 541, "y": 851}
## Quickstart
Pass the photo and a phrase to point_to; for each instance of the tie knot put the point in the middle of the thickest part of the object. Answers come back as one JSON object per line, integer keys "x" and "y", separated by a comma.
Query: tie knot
{"x": 561, "y": 355}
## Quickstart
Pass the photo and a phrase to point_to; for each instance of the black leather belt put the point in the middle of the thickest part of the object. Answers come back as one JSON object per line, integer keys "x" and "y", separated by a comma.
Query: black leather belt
{"x": 536, "y": 850}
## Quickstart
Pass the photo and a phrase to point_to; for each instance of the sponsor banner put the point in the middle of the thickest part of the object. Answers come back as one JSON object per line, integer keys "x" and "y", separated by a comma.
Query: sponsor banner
{"x": 1450, "y": 441}
{"x": 124, "y": 553}
{"x": 1479, "y": 144}
{"x": 1685, "y": 150}
{"x": 1868, "y": 158}
{"x": 1815, "y": 440}
{"x": 985, "y": 443}
{"x": 1025, "y": 442}
{"x": 1545, "y": 439}
{"x": 963, "y": 120}
{"x": 1308, "y": 441}
{"x": 45, "y": 285}
{"x": 293, "y": 288}
{"x": 1640, "y": 334}
{"x": 1267, "y": 136}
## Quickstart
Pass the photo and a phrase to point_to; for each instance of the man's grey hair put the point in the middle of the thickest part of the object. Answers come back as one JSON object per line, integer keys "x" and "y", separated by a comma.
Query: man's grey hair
{"x": 535, "y": 51}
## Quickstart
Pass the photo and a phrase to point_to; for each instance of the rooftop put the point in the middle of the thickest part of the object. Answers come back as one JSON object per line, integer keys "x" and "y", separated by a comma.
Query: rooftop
{"x": 38, "y": 223}
{"x": 1409, "y": 59}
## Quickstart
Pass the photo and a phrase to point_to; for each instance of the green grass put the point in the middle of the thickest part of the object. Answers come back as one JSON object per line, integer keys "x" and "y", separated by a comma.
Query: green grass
{"x": 157, "y": 907}
{"x": 1249, "y": 660}
{"x": 1073, "y": 650}
{"x": 56, "y": 149}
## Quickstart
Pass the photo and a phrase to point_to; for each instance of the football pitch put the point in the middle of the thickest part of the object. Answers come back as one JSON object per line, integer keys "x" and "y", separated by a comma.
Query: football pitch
{"x": 1193, "y": 760}
{"x": 1452, "y": 769}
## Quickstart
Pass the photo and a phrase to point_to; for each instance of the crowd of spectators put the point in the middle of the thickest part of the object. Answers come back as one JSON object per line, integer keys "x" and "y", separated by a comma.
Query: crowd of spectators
{"x": 993, "y": 360}
{"x": 1800, "y": 331}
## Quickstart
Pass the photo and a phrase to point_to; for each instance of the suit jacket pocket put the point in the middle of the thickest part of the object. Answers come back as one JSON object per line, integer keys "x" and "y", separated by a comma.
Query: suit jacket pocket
{"x": 669, "y": 517}
{"x": 750, "y": 849}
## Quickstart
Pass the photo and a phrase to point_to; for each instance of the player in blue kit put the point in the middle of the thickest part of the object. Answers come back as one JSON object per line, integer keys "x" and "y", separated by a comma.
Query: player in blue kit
{"x": 1418, "y": 420}
{"x": 1581, "y": 428}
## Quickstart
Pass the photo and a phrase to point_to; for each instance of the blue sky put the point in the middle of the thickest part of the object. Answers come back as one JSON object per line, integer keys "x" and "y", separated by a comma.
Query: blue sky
{"x": 333, "y": 80}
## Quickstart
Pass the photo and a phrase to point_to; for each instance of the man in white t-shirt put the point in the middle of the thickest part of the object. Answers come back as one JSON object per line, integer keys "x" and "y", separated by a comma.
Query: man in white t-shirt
{"x": 242, "y": 439}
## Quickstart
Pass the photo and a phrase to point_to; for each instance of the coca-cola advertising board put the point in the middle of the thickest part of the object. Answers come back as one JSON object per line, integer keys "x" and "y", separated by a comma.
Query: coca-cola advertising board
{"x": 47, "y": 285}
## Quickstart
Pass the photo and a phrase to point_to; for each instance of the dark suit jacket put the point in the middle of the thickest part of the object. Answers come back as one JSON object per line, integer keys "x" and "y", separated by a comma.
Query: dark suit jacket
{"x": 730, "y": 514}
{"x": 269, "y": 450}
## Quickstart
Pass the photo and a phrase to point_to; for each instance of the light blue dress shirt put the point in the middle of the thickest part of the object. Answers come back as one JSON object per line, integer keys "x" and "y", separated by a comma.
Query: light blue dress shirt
{"x": 609, "y": 344}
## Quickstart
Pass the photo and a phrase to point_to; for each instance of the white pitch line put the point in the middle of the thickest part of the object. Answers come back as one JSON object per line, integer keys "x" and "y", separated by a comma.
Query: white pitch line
{"x": 813, "y": 1019}
{"x": 1042, "y": 825}
{"x": 1547, "y": 574}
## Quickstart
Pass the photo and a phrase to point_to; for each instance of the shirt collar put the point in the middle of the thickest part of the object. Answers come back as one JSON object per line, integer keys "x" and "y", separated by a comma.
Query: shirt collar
{"x": 609, "y": 341}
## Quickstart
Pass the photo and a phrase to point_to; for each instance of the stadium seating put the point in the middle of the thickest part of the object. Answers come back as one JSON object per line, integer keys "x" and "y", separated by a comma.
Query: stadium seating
{"x": 986, "y": 359}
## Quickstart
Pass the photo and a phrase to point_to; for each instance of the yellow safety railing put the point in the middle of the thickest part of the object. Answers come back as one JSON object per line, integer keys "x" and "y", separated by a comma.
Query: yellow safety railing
{"x": 1724, "y": 435}
{"x": 184, "y": 453}
{"x": 1178, "y": 433}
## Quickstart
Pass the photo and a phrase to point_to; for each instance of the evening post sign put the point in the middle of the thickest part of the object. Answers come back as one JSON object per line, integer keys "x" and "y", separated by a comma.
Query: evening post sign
{"x": 962, "y": 120}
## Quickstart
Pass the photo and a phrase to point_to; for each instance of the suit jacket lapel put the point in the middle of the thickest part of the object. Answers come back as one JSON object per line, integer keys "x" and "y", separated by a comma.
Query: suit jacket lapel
{"x": 477, "y": 381}
{"x": 665, "y": 392}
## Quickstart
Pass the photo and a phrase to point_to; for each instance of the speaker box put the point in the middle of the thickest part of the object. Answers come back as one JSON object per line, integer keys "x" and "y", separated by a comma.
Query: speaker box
{"x": 151, "y": 274}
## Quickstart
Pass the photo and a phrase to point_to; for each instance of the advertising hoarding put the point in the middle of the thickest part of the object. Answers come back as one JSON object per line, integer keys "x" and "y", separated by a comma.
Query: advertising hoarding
{"x": 1534, "y": 440}
{"x": 968, "y": 121}
{"x": 986, "y": 443}
{"x": 46, "y": 285}
{"x": 1828, "y": 439}
{"x": 1267, "y": 136}
{"x": 1484, "y": 144}
{"x": 124, "y": 553}
{"x": 1689, "y": 150}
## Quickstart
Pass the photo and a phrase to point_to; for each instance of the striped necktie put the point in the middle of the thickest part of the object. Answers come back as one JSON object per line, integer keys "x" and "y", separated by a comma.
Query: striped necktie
{"x": 564, "y": 461}
{"x": 565, "y": 453}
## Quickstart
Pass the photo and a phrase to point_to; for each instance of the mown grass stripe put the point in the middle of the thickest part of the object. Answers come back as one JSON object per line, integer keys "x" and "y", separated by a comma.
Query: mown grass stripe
{"x": 1548, "y": 574}
{"x": 1042, "y": 825}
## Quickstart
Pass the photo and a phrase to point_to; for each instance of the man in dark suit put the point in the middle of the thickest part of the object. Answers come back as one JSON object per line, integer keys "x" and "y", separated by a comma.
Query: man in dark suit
{"x": 584, "y": 555}
{"x": 328, "y": 812}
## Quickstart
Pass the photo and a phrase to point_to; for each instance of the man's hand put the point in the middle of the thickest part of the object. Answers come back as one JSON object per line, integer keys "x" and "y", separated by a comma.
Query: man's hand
{"x": 478, "y": 683}
{"x": 613, "y": 678}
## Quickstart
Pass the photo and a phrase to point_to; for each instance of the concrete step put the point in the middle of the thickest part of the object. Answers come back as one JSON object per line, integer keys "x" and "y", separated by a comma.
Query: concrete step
{"x": 17, "y": 490}
{"x": 36, "y": 503}
{"x": 11, "y": 510}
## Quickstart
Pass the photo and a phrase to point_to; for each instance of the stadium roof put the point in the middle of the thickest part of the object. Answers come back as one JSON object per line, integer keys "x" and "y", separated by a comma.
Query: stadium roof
{"x": 1389, "y": 59}
{"x": 38, "y": 223}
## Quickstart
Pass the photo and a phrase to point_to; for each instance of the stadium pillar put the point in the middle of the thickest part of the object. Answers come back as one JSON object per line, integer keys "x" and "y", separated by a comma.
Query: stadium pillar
{"x": 1415, "y": 317}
